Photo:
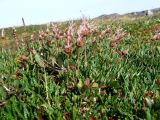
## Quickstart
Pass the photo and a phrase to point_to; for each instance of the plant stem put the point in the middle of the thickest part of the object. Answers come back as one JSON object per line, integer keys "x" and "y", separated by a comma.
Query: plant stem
{"x": 78, "y": 61}
{"x": 85, "y": 53}
{"x": 68, "y": 69}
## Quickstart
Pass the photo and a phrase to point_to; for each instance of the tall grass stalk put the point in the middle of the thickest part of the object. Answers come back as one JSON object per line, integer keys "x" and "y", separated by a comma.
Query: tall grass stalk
{"x": 46, "y": 86}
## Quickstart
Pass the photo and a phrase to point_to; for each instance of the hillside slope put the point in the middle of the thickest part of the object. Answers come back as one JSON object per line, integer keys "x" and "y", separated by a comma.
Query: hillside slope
{"x": 98, "y": 69}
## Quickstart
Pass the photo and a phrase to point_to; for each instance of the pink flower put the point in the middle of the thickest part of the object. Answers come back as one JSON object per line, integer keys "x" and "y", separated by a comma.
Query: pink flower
{"x": 156, "y": 36}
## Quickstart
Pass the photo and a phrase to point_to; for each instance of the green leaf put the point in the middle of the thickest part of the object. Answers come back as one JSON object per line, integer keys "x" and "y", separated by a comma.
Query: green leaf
{"x": 44, "y": 105}
{"x": 39, "y": 59}
{"x": 150, "y": 102}
{"x": 158, "y": 48}
{"x": 148, "y": 115}
{"x": 95, "y": 85}
{"x": 74, "y": 113}
{"x": 114, "y": 83}
{"x": 53, "y": 61}
{"x": 80, "y": 84}
{"x": 68, "y": 104}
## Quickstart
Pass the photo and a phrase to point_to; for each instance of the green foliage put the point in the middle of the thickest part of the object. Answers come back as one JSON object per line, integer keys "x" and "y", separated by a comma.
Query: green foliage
{"x": 38, "y": 82}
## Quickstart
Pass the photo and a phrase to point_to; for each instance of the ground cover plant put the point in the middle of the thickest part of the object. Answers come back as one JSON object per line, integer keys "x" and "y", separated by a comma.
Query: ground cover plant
{"x": 88, "y": 69}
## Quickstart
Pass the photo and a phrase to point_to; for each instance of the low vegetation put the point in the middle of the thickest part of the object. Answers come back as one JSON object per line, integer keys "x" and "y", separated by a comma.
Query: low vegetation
{"x": 88, "y": 69}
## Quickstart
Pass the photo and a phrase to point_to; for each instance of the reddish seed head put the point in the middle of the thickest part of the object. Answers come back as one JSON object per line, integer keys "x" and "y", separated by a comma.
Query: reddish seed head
{"x": 113, "y": 44}
{"x": 156, "y": 36}
{"x": 70, "y": 30}
{"x": 22, "y": 61}
{"x": 108, "y": 30}
{"x": 23, "y": 57}
{"x": 65, "y": 35}
{"x": 103, "y": 32}
{"x": 158, "y": 82}
{"x": 69, "y": 38}
{"x": 92, "y": 118}
{"x": 30, "y": 50}
{"x": 79, "y": 41}
{"x": 123, "y": 53}
{"x": 72, "y": 67}
{"x": 148, "y": 94}
{"x": 94, "y": 40}
{"x": 84, "y": 28}
{"x": 100, "y": 36}
{"x": 87, "y": 83}
{"x": 40, "y": 37}
{"x": 68, "y": 49}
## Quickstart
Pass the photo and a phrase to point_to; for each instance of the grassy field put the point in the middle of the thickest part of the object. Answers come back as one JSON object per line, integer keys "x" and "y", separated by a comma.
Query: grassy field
{"x": 85, "y": 70}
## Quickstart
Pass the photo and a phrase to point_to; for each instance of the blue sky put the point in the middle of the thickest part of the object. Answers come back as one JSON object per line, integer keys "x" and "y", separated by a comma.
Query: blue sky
{"x": 43, "y": 11}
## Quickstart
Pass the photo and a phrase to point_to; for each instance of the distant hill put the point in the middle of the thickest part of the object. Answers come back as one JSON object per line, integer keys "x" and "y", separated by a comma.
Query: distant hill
{"x": 132, "y": 14}
{"x": 114, "y": 15}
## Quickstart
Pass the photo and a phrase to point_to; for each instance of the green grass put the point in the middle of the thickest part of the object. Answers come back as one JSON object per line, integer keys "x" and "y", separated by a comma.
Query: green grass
{"x": 109, "y": 86}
